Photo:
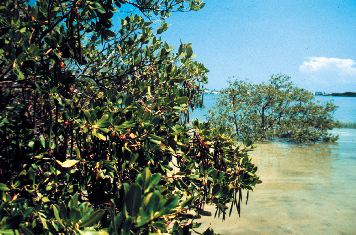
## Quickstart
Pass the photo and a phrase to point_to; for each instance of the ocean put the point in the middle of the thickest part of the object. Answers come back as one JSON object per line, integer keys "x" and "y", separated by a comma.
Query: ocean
{"x": 306, "y": 189}
{"x": 345, "y": 113}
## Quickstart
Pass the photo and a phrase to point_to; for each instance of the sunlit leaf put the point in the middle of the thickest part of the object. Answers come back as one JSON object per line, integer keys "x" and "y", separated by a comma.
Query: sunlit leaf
{"x": 68, "y": 163}
{"x": 3, "y": 187}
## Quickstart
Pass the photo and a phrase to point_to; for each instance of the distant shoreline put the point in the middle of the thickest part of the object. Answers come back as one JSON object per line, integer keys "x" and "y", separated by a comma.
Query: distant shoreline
{"x": 344, "y": 94}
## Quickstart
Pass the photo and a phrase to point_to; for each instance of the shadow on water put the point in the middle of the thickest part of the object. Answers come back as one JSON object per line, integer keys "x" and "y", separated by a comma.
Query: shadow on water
{"x": 306, "y": 189}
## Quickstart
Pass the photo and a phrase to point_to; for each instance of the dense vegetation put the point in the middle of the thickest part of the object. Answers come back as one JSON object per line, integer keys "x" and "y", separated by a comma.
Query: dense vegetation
{"x": 93, "y": 123}
{"x": 346, "y": 125}
{"x": 276, "y": 109}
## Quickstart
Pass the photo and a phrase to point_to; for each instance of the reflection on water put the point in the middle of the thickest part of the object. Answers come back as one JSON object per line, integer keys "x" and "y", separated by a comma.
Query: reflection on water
{"x": 306, "y": 189}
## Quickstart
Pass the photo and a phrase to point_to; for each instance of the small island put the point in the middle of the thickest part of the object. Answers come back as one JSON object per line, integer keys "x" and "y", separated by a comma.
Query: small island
{"x": 344, "y": 94}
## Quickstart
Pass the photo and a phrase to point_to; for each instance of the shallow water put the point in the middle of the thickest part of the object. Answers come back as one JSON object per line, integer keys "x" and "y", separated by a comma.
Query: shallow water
{"x": 306, "y": 189}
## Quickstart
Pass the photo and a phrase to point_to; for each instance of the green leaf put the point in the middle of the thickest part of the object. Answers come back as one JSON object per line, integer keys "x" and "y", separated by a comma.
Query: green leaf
{"x": 169, "y": 205}
{"x": 216, "y": 190}
{"x": 84, "y": 207}
{"x": 134, "y": 157}
{"x": 156, "y": 137}
{"x": 43, "y": 142}
{"x": 63, "y": 212}
{"x": 113, "y": 228}
{"x": 181, "y": 100}
{"x": 154, "y": 202}
{"x": 18, "y": 72}
{"x": 164, "y": 27}
{"x": 202, "y": 212}
{"x": 155, "y": 141}
{"x": 188, "y": 202}
{"x": 74, "y": 215}
{"x": 133, "y": 199}
{"x": 3, "y": 187}
{"x": 176, "y": 230}
{"x": 25, "y": 230}
{"x": 19, "y": 201}
{"x": 51, "y": 228}
{"x": 31, "y": 144}
{"x": 154, "y": 180}
{"x": 45, "y": 199}
{"x": 59, "y": 100}
{"x": 119, "y": 219}
{"x": 200, "y": 6}
{"x": 34, "y": 50}
{"x": 146, "y": 178}
{"x": 137, "y": 60}
{"x": 73, "y": 203}
{"x": 56, "y": 215}
{"x": 126, "y": 227}
{"x": 103, "y": 122}
{"x": 110, "y": 33}
{"x": 14, "y": 221}
{"x": 21, "y": 58}
{"x": 92, "y": 219}
{"x": 99, "y": 135}
{"x": 2, "y": 207}
{"x": 162, "y": 226}
{"x": 189, "y": 51}
{"x": 99, "y": 8}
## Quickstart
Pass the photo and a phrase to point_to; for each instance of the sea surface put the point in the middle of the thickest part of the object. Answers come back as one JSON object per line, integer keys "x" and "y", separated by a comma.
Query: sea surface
{"x": 306, "y": 189}
{"x": 345, "y": 113}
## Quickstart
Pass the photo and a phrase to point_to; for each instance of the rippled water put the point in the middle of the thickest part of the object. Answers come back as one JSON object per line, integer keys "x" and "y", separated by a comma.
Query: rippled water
{"x": 306, "y": 189}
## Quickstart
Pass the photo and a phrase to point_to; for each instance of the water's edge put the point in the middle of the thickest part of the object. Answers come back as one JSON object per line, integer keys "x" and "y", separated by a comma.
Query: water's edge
{"x": 306, "y": 189}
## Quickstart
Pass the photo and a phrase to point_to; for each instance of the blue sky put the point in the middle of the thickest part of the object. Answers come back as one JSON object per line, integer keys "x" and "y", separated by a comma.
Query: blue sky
{"x": 314, "y": 42}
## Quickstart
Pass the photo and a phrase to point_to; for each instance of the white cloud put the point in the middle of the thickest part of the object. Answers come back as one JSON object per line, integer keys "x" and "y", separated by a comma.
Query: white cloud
{"x": 344, "y": 66}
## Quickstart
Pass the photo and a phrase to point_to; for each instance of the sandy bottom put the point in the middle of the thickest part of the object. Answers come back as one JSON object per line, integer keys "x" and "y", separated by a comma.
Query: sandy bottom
{"x": 309, "y": 189}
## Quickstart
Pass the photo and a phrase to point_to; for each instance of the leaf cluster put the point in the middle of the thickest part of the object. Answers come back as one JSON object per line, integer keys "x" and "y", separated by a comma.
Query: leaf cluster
{"x": 275, "y": 109}
{"x": 94, "y": 124}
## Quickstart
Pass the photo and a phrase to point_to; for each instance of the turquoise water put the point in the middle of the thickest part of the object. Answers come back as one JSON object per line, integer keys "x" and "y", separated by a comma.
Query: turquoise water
{"x": 345, "y": 113}
{"x": 347, "y": 107}
{"x": 306, "y": 189}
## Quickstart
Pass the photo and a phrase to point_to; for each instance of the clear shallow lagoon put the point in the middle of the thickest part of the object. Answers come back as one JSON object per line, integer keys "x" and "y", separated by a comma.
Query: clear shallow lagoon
{"x": 306, "y": 189}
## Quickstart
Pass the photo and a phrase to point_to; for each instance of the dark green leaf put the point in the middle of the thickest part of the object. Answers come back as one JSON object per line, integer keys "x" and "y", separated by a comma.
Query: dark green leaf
{"x": 63, "y": 212}
{"x": 92, "y": 219}
{"x": 14, "y": 221}
{"x": 25, "y": 230}
{"x": 133, "y": 199}
{"x": 74, "y": 215}
{"x": 51, "y": 228}
{"x": 169, "y": 205}
{"x": 127, "y": 226}
{"x": 189, "y": 51}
